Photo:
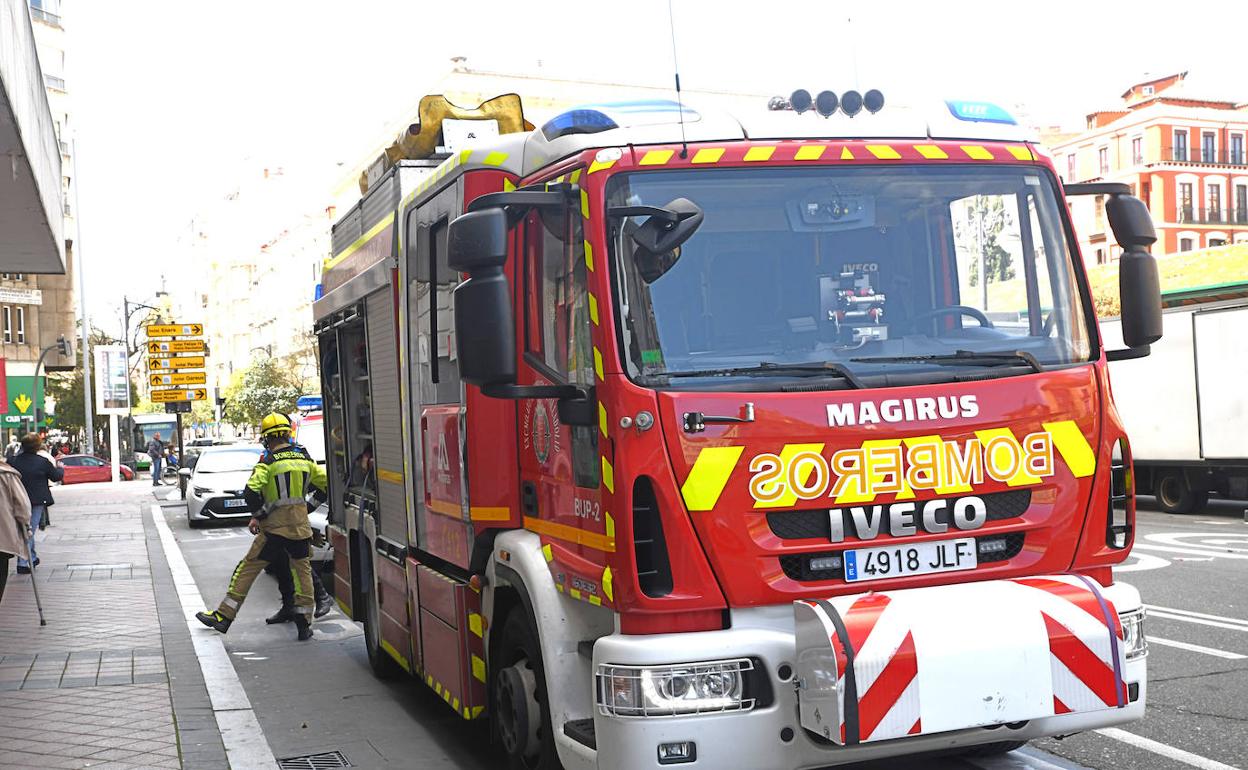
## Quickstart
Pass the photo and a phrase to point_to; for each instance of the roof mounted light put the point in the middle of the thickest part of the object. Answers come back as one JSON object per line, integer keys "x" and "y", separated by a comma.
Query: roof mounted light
{"x": 825, "y": 103}
{"x": 851, "y": 103}
{"x": 873, "y": 100}
{"x": 800, "y": 100}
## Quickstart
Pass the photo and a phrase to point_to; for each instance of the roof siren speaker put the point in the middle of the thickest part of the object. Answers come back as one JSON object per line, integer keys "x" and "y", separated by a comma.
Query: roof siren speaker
{"x": 825, "y": 103}
{"x": 851, "y": 103}
{"x": 800, "y": 100}
{"x": 873, "y": 100}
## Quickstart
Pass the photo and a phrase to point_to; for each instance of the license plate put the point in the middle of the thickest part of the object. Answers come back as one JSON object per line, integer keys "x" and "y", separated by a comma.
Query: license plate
{"x": 863, "y": 564}
{"x": 235, "y": 503}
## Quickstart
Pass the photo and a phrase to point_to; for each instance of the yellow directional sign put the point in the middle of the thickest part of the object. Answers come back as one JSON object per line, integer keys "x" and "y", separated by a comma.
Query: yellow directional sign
{"x": 174, "y": 330}
{"x": 179, "y": 378}
{"x": 165, "y": 364}
{"x": 22, "y": 402}
{"x": 176, "y": 346}
{"x": 194, "y": 394}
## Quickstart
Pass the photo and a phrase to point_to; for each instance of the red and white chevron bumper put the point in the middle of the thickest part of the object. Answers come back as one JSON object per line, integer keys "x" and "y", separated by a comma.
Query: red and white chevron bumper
{"x": 884, "y": 665}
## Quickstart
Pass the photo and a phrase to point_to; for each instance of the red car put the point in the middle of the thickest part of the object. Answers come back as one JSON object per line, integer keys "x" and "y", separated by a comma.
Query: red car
{"x": 83, "y": 468}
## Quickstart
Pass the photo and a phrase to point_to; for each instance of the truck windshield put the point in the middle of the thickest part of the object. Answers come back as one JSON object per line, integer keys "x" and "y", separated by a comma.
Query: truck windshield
{"x": 797, "y": 272}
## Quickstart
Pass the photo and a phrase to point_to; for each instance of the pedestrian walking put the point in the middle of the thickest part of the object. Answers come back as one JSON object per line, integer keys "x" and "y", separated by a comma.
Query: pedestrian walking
{"x": 14, "y": 520}
{"x": 156, "y": 451}
{"x": 12, "y": 449}
{"x": 37, "y": 469}
{"x": 276, "y": 491}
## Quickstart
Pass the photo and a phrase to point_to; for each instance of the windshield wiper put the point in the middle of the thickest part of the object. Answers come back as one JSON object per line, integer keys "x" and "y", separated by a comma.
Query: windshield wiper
{"x": 769, "y": 368}
{"x": 963, "y": 358}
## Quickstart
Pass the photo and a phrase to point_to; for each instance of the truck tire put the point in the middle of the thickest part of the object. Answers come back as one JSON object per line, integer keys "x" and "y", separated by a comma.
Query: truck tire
{"x": 383, "y": 666}
{"x": 520, "y": 708}
{"x": 1175, "y": 494}
{"x": 992, "y": 749}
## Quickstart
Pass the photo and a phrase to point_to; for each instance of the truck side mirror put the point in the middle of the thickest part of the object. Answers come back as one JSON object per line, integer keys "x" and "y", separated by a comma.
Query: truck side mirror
{"x": 1138, "y": 285}
{"x": 484, "y": 322}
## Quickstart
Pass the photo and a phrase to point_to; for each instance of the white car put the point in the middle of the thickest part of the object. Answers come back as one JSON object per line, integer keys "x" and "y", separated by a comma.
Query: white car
{"x": 215, "y": 488}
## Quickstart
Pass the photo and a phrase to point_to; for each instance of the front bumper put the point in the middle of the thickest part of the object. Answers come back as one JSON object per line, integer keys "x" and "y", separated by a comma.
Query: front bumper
{"x": 771, "y": 737}
{"x": 211, "y": 507}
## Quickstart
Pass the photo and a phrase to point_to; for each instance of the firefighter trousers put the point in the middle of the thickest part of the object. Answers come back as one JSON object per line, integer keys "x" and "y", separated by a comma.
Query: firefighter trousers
{"x": 272, "y": 548}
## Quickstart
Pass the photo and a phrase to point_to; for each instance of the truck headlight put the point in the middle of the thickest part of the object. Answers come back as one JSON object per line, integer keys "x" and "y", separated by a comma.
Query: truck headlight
{"x": 1133, "y": 641}
{"x": 663, "y": 691}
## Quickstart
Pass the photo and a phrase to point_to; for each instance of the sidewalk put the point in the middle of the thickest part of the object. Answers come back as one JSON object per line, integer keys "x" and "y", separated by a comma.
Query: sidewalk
{"x": 105, "y": 684}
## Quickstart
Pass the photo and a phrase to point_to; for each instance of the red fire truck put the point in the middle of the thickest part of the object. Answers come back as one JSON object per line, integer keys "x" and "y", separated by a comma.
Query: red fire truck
{"x": 658, "y": 436}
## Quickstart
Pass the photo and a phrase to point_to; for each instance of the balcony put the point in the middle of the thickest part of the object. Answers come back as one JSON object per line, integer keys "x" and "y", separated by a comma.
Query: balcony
{"x": 1222, "y": 157}
{"x": 1212, "y": 216}
{"x": 38, "y": 14}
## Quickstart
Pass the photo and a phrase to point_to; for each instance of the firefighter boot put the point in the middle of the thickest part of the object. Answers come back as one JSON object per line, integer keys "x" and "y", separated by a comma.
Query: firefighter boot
{"x": 324, "y": 603}
{"x": 284, "y": 615}
{"x": 214, "y": 620}
{"x": 304, "y": 626}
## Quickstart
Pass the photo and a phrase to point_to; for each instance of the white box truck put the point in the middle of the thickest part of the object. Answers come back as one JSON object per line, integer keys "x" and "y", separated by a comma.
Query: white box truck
{"x": 1184, "y": 406}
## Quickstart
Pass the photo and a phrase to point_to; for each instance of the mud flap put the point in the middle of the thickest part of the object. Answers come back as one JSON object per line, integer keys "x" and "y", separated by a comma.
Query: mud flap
{"x": 876, "y": 666}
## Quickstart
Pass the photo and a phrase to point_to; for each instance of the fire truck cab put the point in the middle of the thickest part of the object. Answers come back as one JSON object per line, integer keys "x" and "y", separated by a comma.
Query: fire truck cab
{"x": 659, "y": 436}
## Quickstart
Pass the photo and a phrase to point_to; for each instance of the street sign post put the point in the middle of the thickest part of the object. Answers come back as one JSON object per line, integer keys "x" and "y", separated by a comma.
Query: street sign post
{"x": 192, "y": 394}
{"x": 184, "y": 362}
{"x": 174, "y": 330}
{"x": 178, "y": 378}
{"x": 176, "y": 346}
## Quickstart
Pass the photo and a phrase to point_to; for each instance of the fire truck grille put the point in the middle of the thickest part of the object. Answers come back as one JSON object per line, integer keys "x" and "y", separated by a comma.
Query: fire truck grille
{"x": 814, "y": 524}
{"x": 827, "y": 565}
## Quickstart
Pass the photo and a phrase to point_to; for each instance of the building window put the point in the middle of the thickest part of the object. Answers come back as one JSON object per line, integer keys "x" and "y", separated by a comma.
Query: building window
{"x": 1215, "y": 202}
{"x": 21, "y": 325}
{"x": 1208, "y": 147}
{"x": 1180, "y": 144}
{"x": 1216, "y": 242}
{"x": 1070, "y": 167}
{"x": 1102, "y": 158}
{"x": 1146, "y": 90}
{"x": 8, "y": 324}
{"x": 1185, "y": 202}
{"x": 1185, "y": 244}
{"x": 1137, "y": 151}
{"x": 1240, "y": 213}
{"x": 1100, "y": 256}
{"x": 1237, "y": 150}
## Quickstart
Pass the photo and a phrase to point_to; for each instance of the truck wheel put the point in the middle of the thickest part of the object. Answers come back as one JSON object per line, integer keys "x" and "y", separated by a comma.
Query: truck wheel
{"x": 992, "y": 749}
{"x": 1175, "y": 494}
{"x": 521, "y": 712}
{"x": 383, "y": 666}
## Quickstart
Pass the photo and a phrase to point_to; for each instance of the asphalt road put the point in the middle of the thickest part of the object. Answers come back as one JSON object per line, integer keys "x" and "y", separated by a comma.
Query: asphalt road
{"x": 321, "y": 696}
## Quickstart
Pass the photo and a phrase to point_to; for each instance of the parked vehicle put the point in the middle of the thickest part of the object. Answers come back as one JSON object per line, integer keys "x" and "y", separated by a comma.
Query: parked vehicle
{"x": 80, "y": 469}
{"x": 767, "y": 381}
{"x": 1183, "y": 406}
{"x": 215, "y": 487}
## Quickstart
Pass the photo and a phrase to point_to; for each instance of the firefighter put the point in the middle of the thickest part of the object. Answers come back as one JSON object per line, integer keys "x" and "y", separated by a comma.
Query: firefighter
{"x": 276, "y": 492}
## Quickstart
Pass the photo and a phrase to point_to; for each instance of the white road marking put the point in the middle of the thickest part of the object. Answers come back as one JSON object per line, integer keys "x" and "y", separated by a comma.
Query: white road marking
{"x": 1162, "y": 749}
{"x": 245, "y": 745}
{"x": 1139, "y": 562}
{"x": 1192, "y": 551}
{"x": 1195, "y": 648}
{"x": 1218, "y": 539}
{"x": 1021, "y": 759}
{"x": 1191, "y": 613}
{"x": 1198, "y": 621}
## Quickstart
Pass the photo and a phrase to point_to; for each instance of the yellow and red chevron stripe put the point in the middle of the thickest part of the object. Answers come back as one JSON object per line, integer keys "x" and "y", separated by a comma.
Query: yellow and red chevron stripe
{"x": 833, "y": 152}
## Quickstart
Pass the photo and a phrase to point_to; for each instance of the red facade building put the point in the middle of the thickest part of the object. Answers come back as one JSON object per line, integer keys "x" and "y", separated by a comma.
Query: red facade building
{"x": 1184, "y": 153}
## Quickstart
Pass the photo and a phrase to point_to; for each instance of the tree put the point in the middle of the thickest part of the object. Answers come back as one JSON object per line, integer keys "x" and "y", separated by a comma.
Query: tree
{"x": 263, "y": 387}
{"x": 66, "y": 388}
{"x": 986, "y": 217}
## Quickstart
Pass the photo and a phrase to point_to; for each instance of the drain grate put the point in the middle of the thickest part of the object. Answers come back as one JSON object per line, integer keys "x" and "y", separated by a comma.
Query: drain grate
{"x": 323, "y": 761}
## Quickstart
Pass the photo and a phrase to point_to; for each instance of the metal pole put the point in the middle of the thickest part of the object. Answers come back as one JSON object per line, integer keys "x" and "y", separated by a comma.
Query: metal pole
{"x": 114, "y": 446}
{"x": 87, "y": 392}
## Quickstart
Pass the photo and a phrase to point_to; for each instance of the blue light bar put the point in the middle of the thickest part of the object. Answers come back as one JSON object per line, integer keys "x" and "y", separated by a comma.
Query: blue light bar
{"x": 980, "y": 112}
{"x": 592, "y": 118}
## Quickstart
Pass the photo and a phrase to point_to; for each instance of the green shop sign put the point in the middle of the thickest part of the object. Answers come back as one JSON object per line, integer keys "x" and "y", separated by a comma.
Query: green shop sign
{"x": 25, "y": 397}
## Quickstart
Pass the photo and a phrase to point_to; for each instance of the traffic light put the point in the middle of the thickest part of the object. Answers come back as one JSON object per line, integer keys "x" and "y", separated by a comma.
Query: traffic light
{"x": 65, "y": 346}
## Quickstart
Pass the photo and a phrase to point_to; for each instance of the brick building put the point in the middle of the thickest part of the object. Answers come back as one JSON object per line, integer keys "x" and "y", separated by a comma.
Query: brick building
{"x": 1184, "y": 153}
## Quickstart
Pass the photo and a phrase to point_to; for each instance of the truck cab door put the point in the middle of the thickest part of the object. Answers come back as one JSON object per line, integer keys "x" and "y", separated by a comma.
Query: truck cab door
{"x": 560, "y": 468}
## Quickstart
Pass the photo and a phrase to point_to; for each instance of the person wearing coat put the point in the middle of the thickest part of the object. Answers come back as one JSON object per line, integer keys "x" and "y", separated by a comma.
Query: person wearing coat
{"x": 14, "y": 519}
{"x": 37, "y": 469}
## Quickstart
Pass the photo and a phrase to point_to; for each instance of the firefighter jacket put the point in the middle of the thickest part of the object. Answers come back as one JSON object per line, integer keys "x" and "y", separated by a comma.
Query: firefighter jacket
{"x": 277, "y": 487}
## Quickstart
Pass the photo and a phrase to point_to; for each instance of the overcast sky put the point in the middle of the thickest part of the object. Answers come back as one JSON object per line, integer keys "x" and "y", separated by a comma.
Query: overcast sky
{"x": 173, "y": 100}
